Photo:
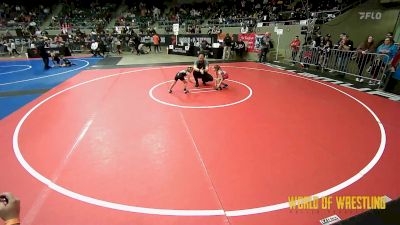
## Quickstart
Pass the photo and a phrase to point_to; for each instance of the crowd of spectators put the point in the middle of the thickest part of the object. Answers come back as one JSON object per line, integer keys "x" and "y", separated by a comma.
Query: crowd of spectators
{"x": 83, "y": 14}
{"x": 247, "y": 12}
{"x": 141, "y": 15}
{"x": 373, "y": 58}
{"x": 25, "y": 19}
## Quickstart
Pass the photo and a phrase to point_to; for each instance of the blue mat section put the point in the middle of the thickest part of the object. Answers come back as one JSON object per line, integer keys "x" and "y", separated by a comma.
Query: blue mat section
{"x": 10, "y": 104}
{"x": 30, "y": 75}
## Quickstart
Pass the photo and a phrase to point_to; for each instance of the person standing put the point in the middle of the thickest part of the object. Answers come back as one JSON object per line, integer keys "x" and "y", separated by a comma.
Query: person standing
{"x": 326, "y": 50}
{"x": 395, "y": 74}
{"x": 94, "y": 47}
{"x": 265, "y": 46}
{"x": 227, "y": 47}
{"x": 345, "y": 45}
{"x": 147, "y": 41}
{"x": 295, "y": 47}
{"x": 363, "y": 58}
{"x": 118, "y": 44}
{"x": 13, "y": 49}
{"x": 390, "y": 50}
{"x": 240, "y": 47}
{"x": 136, "y": 42}
{"x": 244, "y": 29}
{"x": 43, "y": 53}
{"x": 156, "y": 43}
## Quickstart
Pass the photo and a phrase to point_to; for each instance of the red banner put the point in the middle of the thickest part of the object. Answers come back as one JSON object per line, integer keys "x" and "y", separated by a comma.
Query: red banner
{"x": 249, "y": 40}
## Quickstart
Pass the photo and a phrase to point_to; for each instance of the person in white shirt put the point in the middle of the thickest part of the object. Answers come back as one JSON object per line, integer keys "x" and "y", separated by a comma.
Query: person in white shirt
{"x": 141, "y": 49}
{"x": 38, "y": 33}
{"x": 118, "y": 44}
{"x": 244, "y": 29}
{"x": 13, "y": 48}
{"x": 156, "y": 13}
{"x": 94, "y": 47}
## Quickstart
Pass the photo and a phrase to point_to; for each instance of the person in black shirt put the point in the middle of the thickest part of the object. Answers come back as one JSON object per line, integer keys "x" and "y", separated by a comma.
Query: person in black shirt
{"x": 204, "y": 47}
{"x": 136, "y": 41}
{"x": 65, "y": 62}
{"x": 43, "y": 53}
{"x": 181, "y": 76}
{"x": 227, "y": 46}
{"x": 345, "y": 46}
{"x": 326, "y": 50}
{"x": 201, "y": 70}
{"x": 265, "y": 44}
{"x": 240, "y": 48}
{"x": 55, "y": 58}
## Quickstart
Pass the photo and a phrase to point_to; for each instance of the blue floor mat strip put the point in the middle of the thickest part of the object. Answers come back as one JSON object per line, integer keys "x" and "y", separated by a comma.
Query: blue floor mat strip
{"x": 10, "y": 104}
{"x": 23, "y": 76}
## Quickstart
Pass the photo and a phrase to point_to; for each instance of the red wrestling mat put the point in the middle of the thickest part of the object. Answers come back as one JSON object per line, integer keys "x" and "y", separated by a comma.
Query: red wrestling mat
{"x": 114, "y": 147}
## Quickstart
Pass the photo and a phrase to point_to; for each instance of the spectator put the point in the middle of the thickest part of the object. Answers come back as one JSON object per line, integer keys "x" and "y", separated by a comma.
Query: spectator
{"x": 388, "y": 35}
{"x": 9, "y": 208}
{"x": 210, "y": 31}
{"x": 204, "y": 47}
{"x": 244, "y": 29}
{"x": 363, "y": 58}
{"x": 326, "y": 50}
{"x": 240, "y": 47}
{"x": 136, "y": 42}
{"x": 336, "y": 46}
{"x": 58, "y": 40}
{"x": 141, "y": 49}
{"x": 295, "y": 47}
{"x": 118, "y": 44}
{"x": 147, "y": 41}
{"x": 94, "y": 47}
{"x": 13, "y": 49}
{"x": 389, "y": 49}
{"x": 227, "y": 47}
{"x": 265, "y": 46}
{"x": 156, "y": 13}
{"x": 345, "y": 45}
{"x": 156, "y": 43}
{"x": 395, "y": 73}
{"x": 198, "y": 30}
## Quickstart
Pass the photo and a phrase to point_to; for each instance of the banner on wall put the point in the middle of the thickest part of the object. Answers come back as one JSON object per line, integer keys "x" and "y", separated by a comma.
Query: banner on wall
{"x": 192, "y": 38}
{"x": 252, "y": 41}
{"x": 249, "y": 40}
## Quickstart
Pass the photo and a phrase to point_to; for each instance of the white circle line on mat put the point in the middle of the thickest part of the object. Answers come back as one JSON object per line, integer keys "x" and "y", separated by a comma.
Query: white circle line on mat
{"x": 194, "y": 212}
{"x": 51, "y": 75}
{"x": 16, "y": 71}
{"x": 204, "y": 106}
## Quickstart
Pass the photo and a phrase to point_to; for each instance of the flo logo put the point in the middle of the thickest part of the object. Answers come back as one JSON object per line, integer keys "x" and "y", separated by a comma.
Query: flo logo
{"x": 370, "y": 15}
